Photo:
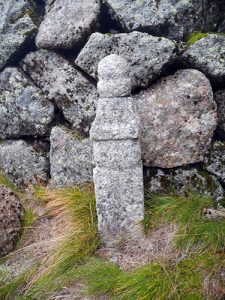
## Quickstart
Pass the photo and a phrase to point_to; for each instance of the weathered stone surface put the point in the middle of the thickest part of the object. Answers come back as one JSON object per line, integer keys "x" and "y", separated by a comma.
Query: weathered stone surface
{"x": 67, "y": 23}
{"x": 108, "y": 153}
{"x": 72, "y": 92}
{"x": 147, "y": 55}
{"x": 208, "y": 56}
{"x": 117, "y": 86}
{"x": 178, "y": 117}
{"x": 24, "y": 110}
{"x": 173, "y": 19}
{"x": 48, "y": 5}
{"x": 220, "y": 100}
{"x": 120, "y": 203}
{"x": 70, "y": 158}
{"x": 118, "y": 175}
{"x": 10, "y": 220}
{"x": 115, "y": 119}
{"x": 24, "y": 163}
{"x": 16, "y": 28}
{"x": 221, "y": 27}
{"x": 214, "y": 162}
{"x": 179, "y": 181}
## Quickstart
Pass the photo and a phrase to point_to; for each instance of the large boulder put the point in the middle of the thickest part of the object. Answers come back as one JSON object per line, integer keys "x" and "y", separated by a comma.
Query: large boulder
{"x": 17, "y": 28}
{"x": 70, "y": 157}
{"x": 75, "y": 96}
{"x": 183, "y": 180}
{"x": 214, "y": 161}
{"x": 220, "y": 100}
{"x": 173, "y": 19}
{"x": 178, "y": 117}
{"x": 24, "y": 163}
{"x": 11, "y": 214}
{"x": 67, "y": 23}
{"x": 147, "y": 55}
{"x": 24, "y": 110}
{"x": 208, "y": 56}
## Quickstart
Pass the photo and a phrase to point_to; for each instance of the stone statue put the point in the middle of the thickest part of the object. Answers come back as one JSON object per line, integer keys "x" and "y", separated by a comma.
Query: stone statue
{"x": 118, "y": 175}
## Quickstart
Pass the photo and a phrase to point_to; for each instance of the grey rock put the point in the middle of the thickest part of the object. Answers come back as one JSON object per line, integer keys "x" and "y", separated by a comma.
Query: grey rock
{"x": 24, "y": 110}
{"x": 147, "y": 55}
{"x": 114, "y": 80}
{"x": 119, "y": 201}
{"x": 11, "y": 214}
{"x": 115, "y": 119}
{"x": 221, "y": 27}
{"x": 183, "y": 180}
{"x": 214, "y": 161}
{"x": 24, "y": 163}
{"x": 17, "y": 28}
{"x": 75, "y": 96}
{"x": 70, "y": 158}
{"x": 108, "y": 154}
{"x": 208, "y": 56}
{"x": 118, "y": 175}
{"x": 220, "y": 100}
{"x": 48, "y": 5}
{"x": 178, "y": 117}
{"x": 67, "y": 23}
{"x": 173, "y": 19}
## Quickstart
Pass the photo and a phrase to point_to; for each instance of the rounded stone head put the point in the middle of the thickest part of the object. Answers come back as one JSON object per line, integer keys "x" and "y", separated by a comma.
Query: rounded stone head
{"x": 114, "y": 77}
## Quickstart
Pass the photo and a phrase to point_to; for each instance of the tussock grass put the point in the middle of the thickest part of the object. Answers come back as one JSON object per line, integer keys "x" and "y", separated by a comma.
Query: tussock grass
{"x": 100, "y": 276}
{"x": 159, "y": 280}
{"x": 7, "y": 183}
{"x": 201, "y": 246}
{"x": 39, "y": 193}
{"x": 200, "y": 243}
{"x": 195, "y": 232}
{"x": 75, "y": 210}
{"x": 10, "y": 290}
{"x": 29, "y": 217}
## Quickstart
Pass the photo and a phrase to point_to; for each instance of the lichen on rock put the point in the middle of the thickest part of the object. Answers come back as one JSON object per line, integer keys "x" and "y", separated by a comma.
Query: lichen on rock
{"x": 214, "y": 161}
{"x": 148, "y": 55}
{"x": 67, "y": 23}
{"x": 184, "y": 180}
{"x": 11, "y": 213}
{"x": 70, "y": 158}
{"x": 220, "y": 100}
{"x": 17, "y": 29}
{"x": 208, "y": 56}
{"x": 173, "y": 19}
{"x": 24, "y": 109}
{"x": 71, "y": 91}
{"x": 24, "y": 163}
{"x": 178, "y": 117}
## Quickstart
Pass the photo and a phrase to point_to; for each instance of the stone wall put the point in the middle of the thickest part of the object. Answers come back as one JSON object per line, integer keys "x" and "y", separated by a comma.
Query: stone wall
{"x": 49, "y": 56}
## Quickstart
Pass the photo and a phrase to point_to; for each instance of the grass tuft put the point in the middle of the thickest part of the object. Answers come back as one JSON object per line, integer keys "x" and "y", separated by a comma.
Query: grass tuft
{"x": 39, "y": 193}
{"x": 194, "y": 230}
{"x": 11, "y": 289}
{"x": 29, "y": 217}
{"x": 7, "y": 183}
{"x": 181, "y": 277}
{"x": 100, "y": 276}
{"x": 158, "y": 280}
{"x": 76, "y": 208}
